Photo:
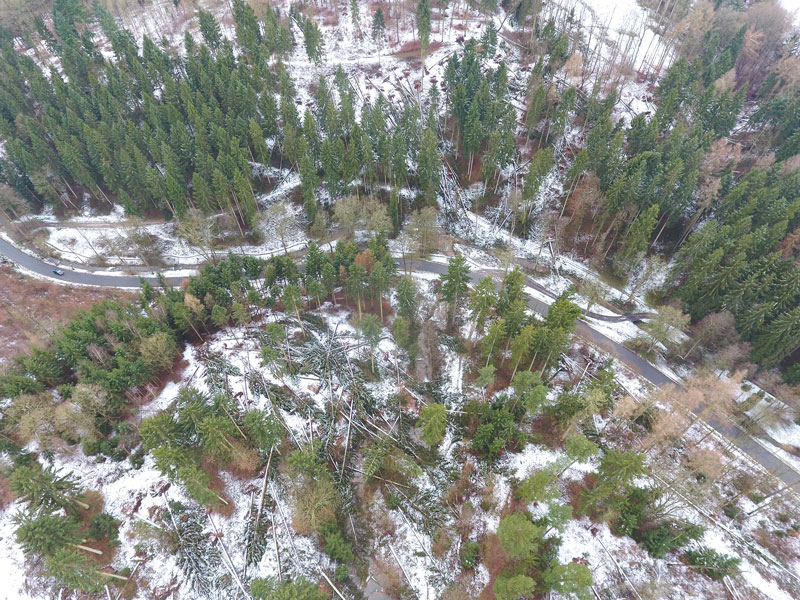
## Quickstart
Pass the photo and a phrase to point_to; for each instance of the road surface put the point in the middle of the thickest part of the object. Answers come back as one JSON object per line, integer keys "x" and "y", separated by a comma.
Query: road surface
{"x": 735, "y": 434}
{"x": 100, "y": 279}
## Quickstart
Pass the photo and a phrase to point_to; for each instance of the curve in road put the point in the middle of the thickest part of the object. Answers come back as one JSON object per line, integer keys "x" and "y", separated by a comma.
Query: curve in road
{"x": 735, "y": 434}
{"x": 40, "y": 267}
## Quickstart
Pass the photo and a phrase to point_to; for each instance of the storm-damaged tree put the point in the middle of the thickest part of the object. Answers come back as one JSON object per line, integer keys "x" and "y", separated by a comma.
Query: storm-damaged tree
{"x": 433, "y": 421}
{"x": 46, "y": 488}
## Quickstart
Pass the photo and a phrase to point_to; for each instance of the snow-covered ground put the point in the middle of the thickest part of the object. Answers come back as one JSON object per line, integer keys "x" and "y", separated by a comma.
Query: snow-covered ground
{"x": 112, "y": 240}
{"x": 777, "y": 418}
{"x": 113, "y": 246}
{"x": 136, "y": 495}
{"x": 371, "y": 70}
{"x": 779, "y": 422}
{"x": 793, "y": 6}
{"x": 12, "y": 559}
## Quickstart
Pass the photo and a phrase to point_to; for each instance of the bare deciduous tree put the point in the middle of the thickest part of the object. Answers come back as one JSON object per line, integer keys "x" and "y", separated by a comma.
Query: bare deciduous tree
{"x": 734, "y": 356}
{"x": 352, "y": 214}
{"x": 666, "y": 326}
{"x": 712, "y": 332}
{"x": 423, "y": 230}
{"x": 593, "y": 291}
{"x": 280, "y": 219}
{"x": 652, "y": 265}
{"x": 197, "y": 229}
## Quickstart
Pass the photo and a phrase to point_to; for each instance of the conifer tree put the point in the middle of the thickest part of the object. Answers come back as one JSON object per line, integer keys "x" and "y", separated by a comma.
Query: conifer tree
{"x": 491, "y": 341}
{"x": 521, "y": 345}
{"x": 215, "y": 434}
{"x": 331, "y": 166}
{"x": 455, "y": 283}
{"x": 356, "y": 284}
{"x": 297, "y": 589}
{"x": 508, "y": 587}
{"x": 514, "y": 316}
{"x": 530, "y": 390}
{"x": 308, "y": 183}
{"x": 46, "y": 488}
{"x": 219, "y": 315}
{"x": 779, "y": 339}
{"x": 158, "y": 351}
{"x": 512, "y": 289}
{"x": 424, "y": 28}
{"x": 481, "y": 303}
{"x": 565, "y": 106}
{"x": 198, "y": 484}
{"x": 541, "y": 164}
{"x": 42, "y": 533}
{"x": 293, "y": 301}
{"x": 349, "y": 164}
{"x": 74, "y": 570}
{"x": 570, "y": 580}
{"x": 378, "y": 30}
{"x": 519, "y": 536}
{"x": 473, "y": 134}
{"x": 401, "y": 329}
{"x": 379, "y": 280}
{"x": 638, "y": 238}
{"x": 316, "y": 289}
{"x": 258, "y": 146}
{"x": 563, "y": 313}
{"x": 355, "y": 17}
{"x": 263, "y": 429}
{"x": 429, "y": 165}
{"x": 433, "y": 421}
{"x": 395, "y": 211}
{"x": 328, "y": 278}
{"x": 539, "y": 486}
{"x": 407, "y": 298}
{"x": 579, "y": 448}
{"x": 209, "y": 29}
{"x": 371, "y": 328}
{"x": 490, "y": 161}
{"x": 159, "y": 430}
{"x": 618, "y": 468}
{"x": 315, "y": 260}
{"x": 314, "y": 43}
{"x": 536, "y": 107}
{"x": 486, "y": 377}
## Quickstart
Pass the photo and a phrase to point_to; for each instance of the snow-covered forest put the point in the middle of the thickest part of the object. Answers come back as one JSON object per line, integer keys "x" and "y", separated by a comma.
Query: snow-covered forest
{"x": 438, "y": 299}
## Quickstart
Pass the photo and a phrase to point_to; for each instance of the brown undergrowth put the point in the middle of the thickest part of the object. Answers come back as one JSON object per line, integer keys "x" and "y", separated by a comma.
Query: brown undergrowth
{"x": 31, "y": 310}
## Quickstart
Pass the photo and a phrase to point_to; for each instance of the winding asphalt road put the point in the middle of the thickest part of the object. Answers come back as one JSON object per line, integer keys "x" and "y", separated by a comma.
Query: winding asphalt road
{"x": 735, "y": 434}
{"x": 96, "y": 278}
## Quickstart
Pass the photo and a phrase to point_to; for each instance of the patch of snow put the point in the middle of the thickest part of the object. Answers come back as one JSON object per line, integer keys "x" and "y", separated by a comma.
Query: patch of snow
{"x": 12, "y": 559}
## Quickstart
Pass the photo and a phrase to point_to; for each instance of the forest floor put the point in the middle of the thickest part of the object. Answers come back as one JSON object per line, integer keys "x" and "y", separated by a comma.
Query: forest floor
{"x": 31, "y": 308}
{"x": 137, "y": 496}
{"x": 47, "y": 304}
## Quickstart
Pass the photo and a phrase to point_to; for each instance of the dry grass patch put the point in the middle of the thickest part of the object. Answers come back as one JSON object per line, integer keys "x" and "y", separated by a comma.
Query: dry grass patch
{"x": 31, "y": 310}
